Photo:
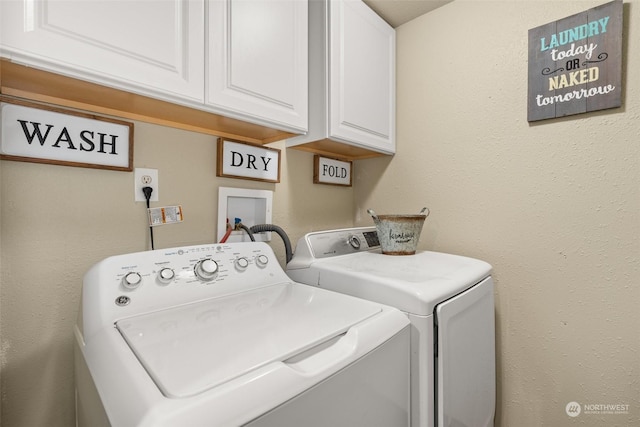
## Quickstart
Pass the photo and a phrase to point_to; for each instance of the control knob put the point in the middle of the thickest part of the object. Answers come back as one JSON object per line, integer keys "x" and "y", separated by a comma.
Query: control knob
{"x": 132, "y": 280}
{"x": 166, "y": 275}
{"x": 262, "y": 260}
{"x": 206, "y": 269}
{"x": 354, "y": 242}
{"x": 242, "y": 263}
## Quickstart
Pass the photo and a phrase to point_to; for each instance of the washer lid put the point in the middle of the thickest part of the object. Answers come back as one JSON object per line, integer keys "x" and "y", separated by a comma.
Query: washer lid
{"x": 195, "y": 347}
{"x": 413, "y": 283}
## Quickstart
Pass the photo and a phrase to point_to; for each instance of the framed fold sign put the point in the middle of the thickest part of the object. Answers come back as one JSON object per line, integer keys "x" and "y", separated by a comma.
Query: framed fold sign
{"x": 37, "y": 133}
{"x": 575, "y": 64}
{"x": 331, "y": 171}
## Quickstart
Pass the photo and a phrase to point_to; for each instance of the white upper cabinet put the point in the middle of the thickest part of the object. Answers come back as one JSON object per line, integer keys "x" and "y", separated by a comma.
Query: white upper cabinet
{"x": 154, "y": 48}
{"x": 257, "y": 59}
{"x": 351, "y": 81}
{"x": 362, "y": 75}
{"x": 240, "y": 59}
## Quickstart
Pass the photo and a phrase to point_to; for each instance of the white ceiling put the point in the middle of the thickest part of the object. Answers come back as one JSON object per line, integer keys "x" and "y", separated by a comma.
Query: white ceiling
{"x": 397, "y": 12}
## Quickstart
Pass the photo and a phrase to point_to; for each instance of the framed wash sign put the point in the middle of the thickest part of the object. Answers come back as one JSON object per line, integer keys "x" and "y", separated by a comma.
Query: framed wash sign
{"x": 575, "y": 64}
{"x": 37, "y": 133}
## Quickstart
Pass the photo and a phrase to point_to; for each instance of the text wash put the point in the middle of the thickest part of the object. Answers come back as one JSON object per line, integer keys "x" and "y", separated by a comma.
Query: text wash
{"x": 87, "y": 138}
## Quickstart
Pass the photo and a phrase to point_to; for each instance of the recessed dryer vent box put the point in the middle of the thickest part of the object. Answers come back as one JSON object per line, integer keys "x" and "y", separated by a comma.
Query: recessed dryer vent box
{"x": 253, "y": 207}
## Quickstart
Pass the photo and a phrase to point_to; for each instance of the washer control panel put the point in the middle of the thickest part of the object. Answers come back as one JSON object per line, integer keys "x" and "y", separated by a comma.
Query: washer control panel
{"x": 202, "y": 264}
{"x": 131, "y": 284}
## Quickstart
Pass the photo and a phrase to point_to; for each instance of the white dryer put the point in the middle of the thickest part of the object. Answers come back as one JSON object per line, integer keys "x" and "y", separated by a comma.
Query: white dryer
{"x": 217, "y": 335}
{"x": 449, "y": 300}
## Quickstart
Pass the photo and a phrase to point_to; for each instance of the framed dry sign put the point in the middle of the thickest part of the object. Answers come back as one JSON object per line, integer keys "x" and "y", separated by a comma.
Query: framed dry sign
{"x": 246, "y": 161}
{"x": 575, "y": 64}
{"x": 37, "y": 133}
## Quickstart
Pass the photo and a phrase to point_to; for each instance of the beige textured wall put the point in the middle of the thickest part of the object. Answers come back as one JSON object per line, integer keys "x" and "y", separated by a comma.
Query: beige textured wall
{"x": 553, "y": 206}
{"x": 57, "y": 221}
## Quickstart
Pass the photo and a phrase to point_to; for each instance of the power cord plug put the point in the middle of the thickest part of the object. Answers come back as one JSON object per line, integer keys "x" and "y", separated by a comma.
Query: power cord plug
{"x": 147, "y": 195}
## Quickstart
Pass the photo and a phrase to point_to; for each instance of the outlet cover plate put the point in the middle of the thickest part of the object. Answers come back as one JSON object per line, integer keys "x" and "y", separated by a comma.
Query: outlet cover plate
{"x": 145, "y": 178}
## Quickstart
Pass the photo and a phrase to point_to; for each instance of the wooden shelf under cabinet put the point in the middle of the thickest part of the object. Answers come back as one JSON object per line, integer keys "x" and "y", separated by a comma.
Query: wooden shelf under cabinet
{"x": 37, "y": 85}
{"x": 338, "y": 150}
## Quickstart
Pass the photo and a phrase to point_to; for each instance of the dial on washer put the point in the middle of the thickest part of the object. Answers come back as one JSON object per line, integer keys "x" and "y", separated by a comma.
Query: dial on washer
{"x": 262, "y": 260}
{"x": 242, "y": 263}
{"x": 132, "y": 280}
{"x": 206, "y": 269}
{"x": 166, "y": 275}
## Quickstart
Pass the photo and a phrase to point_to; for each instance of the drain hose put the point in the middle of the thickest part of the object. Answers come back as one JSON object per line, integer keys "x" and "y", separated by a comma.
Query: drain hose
{"x": 270, "y": 227}
{"x": 245, "y": 228}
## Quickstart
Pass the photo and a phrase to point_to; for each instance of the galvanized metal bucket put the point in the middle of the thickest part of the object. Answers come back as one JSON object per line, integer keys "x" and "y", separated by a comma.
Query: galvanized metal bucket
{"x": 399, "y": 234}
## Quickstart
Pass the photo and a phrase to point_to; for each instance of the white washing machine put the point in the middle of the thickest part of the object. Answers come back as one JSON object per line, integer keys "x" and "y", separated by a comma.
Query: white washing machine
{"x": 449, "y": 300}
{"x": 218, "y": 335}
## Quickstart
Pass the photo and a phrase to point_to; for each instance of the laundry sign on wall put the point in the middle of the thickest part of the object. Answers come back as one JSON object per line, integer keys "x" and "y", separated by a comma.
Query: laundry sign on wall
{"x": 36, "y": 133}
{"x": 575, "y": 64}
{"x": 331, "y": 171}
{"x": 246, "y": 161}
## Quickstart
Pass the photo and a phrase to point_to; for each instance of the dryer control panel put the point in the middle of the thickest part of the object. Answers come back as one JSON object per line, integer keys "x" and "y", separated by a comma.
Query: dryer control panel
{"x": 331, "y": 243}
{"x": 131, "y": 284}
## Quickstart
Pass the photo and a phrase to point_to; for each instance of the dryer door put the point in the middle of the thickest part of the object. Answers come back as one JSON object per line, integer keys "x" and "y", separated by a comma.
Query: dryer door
{"x": 466, "y": 358}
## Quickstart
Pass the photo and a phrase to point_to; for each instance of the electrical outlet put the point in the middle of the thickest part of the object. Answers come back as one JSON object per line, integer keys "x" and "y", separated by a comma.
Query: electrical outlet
{"x": 145, "y": 178}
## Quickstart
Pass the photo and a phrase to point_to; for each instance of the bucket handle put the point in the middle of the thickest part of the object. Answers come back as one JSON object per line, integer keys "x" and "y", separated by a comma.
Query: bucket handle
{"x": 423, "y": 211}
{"x": 373, "y": 214}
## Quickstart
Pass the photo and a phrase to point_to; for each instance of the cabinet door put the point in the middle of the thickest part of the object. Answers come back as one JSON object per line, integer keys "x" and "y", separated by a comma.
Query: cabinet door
{"x": 362, "y": 76}
{"x": 257, "y": 60}
{"x": 153, "y": 47}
